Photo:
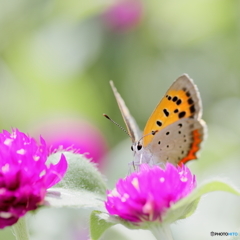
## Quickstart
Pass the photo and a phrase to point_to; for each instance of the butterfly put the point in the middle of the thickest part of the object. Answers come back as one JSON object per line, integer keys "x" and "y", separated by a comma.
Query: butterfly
{"x": 174, "y": 132}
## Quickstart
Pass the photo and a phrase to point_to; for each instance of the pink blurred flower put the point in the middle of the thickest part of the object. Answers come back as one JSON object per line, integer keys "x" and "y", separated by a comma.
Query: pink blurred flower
{"x": 73, "y": 134}
{"x": 24, "y": 175}
{"x": 124, "y": 15}
{"x": 147, "y": 195}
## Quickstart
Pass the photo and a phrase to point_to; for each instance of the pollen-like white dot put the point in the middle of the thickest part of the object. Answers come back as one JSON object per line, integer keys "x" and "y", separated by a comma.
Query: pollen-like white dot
{"x": 5, "y": 168}
{"x": 184, "y": 179}
{"x": 5, "y": 215}
{"x": 21, "y": 151}
{"x": 181, "y": 173}
{"x": 114, "y": 193}
{"x": 42, "y": 173}
{"x": 124, "y": 197}
{"x": 8, "y": 141}
{"x": 13, "y": 135}
{"x": 135, "y": 183}
{"x": 162, "y": 179}
{"x": 36, "y": 158}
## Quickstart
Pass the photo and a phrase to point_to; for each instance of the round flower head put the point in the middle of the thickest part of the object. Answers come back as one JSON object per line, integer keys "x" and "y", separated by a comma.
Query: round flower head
{"x": 73, "y": 134}
{"x": 124, "y": 15}
{"x": 24, "y": 175}
{"x": 148, "y": 194}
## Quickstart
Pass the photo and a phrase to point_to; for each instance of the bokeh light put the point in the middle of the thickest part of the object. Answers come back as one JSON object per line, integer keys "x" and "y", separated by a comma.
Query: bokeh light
{"x": 73, "y": 134}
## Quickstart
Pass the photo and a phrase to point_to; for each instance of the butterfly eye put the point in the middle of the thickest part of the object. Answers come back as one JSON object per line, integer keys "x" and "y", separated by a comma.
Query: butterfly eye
{"x": 139, "y": 147}
{"x": 132, "y": 148}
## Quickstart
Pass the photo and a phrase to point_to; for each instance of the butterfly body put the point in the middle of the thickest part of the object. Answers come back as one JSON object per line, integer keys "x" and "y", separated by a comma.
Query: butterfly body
{"x": 174, "y": 131}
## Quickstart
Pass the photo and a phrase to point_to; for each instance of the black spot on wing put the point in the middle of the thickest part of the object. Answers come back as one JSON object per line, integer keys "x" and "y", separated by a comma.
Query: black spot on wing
{"x": 165, "y": 111}
{"x": 192, "y": 109}
{"x": 175, "y": 99}
{"x": 182, "y": 114}
{"x": 179, "y": 101}
{"x": 190, "y": 101}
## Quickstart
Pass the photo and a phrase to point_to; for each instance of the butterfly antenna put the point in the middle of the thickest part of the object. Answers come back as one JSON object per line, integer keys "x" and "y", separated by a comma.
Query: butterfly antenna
{"x": 151, "y": 133}
{"x": 124, "y": 130}
{"x": 139, "y": 145}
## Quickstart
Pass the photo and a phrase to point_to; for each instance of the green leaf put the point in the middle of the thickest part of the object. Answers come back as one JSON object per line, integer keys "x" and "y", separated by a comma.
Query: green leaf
{"x": 59, "y": 197}
{"x": 99, "y": 224}
{"x": 20, "y": 229}
{"x": 83, "y": 186}
{"x": 187, "y": 206}
{"x": 81, "y": 174}
{"x": 101, "y": 221}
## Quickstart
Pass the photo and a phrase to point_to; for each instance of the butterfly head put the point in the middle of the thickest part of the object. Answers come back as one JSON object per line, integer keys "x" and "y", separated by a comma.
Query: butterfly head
{"x": 141, "y": 154}
{"x": 137, "y": 146}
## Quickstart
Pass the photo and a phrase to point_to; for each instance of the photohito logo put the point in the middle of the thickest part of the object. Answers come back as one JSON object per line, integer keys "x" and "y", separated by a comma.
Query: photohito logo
{"x": 223, "y": 234}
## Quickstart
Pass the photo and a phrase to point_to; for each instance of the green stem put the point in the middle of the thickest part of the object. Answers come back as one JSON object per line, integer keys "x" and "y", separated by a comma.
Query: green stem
{"x": 20, "y": 230}
{"x": 161, "y": 232}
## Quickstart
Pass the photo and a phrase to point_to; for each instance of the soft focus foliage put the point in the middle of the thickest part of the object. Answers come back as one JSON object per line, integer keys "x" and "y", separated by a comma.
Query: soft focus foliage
{"x": 81, "y": 174}
{"x": 83, "y": 186}
{"x": 56, "y": 60}
{"x": 73, "y": 134}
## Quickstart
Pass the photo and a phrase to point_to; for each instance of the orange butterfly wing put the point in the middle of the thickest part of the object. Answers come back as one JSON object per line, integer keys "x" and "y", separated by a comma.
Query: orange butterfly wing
{"x": 182, "y": 100}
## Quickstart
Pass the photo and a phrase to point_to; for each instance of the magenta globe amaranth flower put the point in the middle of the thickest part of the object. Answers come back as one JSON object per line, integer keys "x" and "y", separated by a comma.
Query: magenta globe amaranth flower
{"x": 146, "y": 195}
{"x": 24, "y": 175}
{"x": 124, "y": 15}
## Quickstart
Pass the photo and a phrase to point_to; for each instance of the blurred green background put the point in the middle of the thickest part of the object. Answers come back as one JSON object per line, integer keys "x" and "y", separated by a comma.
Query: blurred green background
{"x": 56, "y": 60}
